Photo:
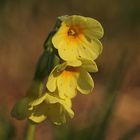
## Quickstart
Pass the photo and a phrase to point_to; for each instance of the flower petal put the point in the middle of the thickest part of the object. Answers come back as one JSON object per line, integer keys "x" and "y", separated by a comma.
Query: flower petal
{"x": 85, "y": 83}
{"x": 37, "y": 118}
{"x": 75, "y": 63}
{"x": 51, "y": 98}
{"x": 56, "y": 114}
{"x": 51, "y": 83}
{"x": 84, "y": 49}
{"x": 89, "y": 65}
{"x": 58, "y": 110}
{"x": 93, "y": 29}
{"x": 60, "y": 35}
{"x": 38, "y": 113}
{"x": 96, "y": 46}
{"x": 66, "y": 83}
{"x": 68, "y": 52}
{"x": 36, "y": 101}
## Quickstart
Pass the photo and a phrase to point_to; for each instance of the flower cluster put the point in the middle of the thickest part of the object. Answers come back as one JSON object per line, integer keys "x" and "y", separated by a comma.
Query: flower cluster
{"x": 77, "y": 45}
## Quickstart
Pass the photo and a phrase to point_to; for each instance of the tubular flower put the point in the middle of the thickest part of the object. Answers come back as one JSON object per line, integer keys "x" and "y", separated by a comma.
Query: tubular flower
{"x": 78, "y": 37}
{"x": 67, "y": 79}
{"x": 47, "y": 106}
{"x": 52, "y": 107}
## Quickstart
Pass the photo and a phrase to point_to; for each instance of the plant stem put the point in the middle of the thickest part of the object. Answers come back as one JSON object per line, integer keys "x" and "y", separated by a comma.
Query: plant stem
{"x": 30, "y": 131}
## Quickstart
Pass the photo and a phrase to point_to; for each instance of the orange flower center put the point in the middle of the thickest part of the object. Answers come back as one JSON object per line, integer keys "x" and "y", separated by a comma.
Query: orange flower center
{"x": 74, "y": 31}
{"x": 70, "y": 71}
{"x": 67, "y": 73}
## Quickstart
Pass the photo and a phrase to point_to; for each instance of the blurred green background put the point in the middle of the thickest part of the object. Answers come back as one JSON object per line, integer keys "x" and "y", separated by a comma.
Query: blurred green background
{"x": 112, "y": 111}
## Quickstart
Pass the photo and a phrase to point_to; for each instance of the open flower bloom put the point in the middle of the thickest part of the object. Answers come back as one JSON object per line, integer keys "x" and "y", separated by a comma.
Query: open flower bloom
{"x": 51, "y": 107}
{"x": 78, "y": 37}
{"x": 67, "y": 79}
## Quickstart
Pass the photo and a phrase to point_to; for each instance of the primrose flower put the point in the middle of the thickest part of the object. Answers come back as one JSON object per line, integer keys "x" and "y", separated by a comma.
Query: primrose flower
{"x": 48, "y": 106}
{"x": 66, "y": 63}
{"x": 53, "y": 108}
{"x": 78, "y": 37}
{"x": 67, "y": 79}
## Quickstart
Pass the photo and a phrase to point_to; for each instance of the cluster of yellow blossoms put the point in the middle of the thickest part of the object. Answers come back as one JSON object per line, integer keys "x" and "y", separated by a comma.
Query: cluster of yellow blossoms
{"x": 77, "y": 43}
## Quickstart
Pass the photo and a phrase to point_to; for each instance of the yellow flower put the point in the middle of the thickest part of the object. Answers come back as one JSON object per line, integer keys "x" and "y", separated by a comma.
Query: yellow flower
{"x": 23, "y": 107}
{"x": 51, "y": 107}
{"x": 48, "y": 106}
{"x": 67, "y": 79}
{"x": 78, "y": 37}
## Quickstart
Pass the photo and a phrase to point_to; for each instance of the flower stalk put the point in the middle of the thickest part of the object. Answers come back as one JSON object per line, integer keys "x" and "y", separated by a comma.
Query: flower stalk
{"x": 30, "y": 131}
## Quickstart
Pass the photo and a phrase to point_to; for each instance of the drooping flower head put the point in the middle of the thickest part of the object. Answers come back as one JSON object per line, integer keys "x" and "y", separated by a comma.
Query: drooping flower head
{"x": 67, "y": 79}
{"x": 51, "y": 107}
{"x": 48, "y": 106}
{"x": 78, "y": 37}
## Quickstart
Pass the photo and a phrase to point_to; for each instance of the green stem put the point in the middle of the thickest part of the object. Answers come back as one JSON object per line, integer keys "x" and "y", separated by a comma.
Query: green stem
{"x": 30, "y": 131}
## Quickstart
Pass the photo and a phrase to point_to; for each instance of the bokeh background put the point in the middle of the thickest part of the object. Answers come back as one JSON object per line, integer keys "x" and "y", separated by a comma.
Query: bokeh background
{"x": 112, "y": 111}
